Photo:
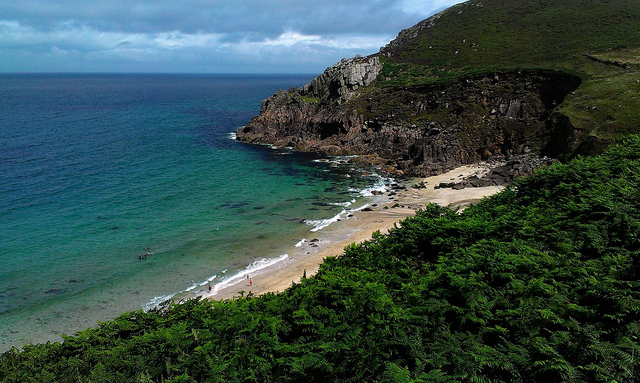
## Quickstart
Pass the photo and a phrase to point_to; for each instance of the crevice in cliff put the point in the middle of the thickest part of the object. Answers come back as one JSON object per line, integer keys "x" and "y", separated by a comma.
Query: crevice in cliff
{"x": 554, "y": 91}
{"x": 329, "y": 129}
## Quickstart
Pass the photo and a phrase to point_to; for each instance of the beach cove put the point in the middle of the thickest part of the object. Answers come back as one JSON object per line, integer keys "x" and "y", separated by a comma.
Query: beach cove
{"x": 384, "y": 213}
{"x": 110, "y": 167}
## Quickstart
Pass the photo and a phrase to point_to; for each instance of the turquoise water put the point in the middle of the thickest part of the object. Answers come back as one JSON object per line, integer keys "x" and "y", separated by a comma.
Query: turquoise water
{"x": 98, "y": 169}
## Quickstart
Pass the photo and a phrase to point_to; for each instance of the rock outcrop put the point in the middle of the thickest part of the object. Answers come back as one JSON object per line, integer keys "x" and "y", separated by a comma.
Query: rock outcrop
{"x": 417, "y": 131}
{"x": 502, "y": 172}
{"x": 339, "y": 82}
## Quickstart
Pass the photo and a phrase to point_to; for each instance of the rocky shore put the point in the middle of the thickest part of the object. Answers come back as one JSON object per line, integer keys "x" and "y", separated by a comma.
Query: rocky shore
{"x": 422, "y": 130}
{"x": 501, "y": 172}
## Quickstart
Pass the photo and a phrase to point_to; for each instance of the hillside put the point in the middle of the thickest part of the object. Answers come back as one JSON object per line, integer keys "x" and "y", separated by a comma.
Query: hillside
{"x": 538, "y": 283}
{"x": 479, "y": 81}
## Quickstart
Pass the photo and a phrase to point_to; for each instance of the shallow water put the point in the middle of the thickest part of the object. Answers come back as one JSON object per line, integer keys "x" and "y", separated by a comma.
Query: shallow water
{"x": 98, "y": 169}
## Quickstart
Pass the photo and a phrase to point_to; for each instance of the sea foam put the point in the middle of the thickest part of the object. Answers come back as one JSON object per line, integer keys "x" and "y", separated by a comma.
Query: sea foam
{"x": 253, "y": 268}
{"x": 322, "y": 223}
{"x": 156, "y": 301}
{"x": 380, "y": 186}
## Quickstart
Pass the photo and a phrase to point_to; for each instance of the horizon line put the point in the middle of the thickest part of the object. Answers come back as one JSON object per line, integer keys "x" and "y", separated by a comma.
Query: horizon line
{"x": 168, "y": 73}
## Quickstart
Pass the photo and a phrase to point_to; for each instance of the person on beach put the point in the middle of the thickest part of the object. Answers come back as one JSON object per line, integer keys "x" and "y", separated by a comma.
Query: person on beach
{"x": 250, "y": 282}
{"x": 210, "y": 288}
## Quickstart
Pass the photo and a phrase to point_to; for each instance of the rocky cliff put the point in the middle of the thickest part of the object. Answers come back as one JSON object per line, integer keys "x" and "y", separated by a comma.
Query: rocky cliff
{"x": 340, "y": 82}
{"x": 420, "y": 130}
{"x": 484, "y": 79}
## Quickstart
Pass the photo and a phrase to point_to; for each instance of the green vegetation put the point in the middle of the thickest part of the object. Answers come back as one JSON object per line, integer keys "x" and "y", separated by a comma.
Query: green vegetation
{"x": 598, "y": 40}
{"x": 538, "y": 283}
{"x": 497, "y": 35}
{"x": 293, "y": 97}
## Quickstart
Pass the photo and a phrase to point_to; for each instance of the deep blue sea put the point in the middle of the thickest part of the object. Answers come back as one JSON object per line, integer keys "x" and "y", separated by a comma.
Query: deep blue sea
{"x": 98, "y": 169}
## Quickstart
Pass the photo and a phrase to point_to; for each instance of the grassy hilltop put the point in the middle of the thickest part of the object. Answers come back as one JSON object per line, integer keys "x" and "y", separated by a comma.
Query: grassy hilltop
{"x": 539, "y": 283}
{"x": 597, "y": 40}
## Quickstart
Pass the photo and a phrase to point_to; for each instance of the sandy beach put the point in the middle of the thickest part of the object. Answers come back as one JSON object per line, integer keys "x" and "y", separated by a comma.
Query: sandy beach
{"x": 358, "y": 227}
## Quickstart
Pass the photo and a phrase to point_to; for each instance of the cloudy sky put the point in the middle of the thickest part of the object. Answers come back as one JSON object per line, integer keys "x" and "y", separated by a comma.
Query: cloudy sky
{"x": 198, "y": 36}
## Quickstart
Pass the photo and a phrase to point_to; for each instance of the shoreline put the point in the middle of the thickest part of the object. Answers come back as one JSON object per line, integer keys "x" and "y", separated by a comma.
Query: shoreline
{"x": 307, "y": 256}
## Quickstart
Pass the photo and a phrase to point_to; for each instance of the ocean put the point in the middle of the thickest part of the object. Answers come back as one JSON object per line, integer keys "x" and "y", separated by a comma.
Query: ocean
{"x": 97, "y": 169}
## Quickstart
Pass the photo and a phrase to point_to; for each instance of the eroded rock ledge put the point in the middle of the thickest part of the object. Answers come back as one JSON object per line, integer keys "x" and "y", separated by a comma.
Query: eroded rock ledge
{"x": 416, "y": 131}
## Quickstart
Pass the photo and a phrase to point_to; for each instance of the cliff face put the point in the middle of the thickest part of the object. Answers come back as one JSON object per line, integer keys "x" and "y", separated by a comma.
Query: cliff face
{"x": 419, "y": 130}
{"x": 340, "y": 82}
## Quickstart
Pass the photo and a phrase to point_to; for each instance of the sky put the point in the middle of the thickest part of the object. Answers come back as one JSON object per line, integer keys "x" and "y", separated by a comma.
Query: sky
{"x": 199, "y": 36}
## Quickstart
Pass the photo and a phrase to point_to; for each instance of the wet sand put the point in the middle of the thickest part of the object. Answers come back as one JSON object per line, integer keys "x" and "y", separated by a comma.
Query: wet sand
{"x": 359, "y": 227}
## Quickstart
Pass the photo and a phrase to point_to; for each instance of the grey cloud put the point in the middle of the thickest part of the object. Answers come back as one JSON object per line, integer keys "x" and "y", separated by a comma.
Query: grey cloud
{"x": 197, "y": 35}
{"x": 264, "y": 18}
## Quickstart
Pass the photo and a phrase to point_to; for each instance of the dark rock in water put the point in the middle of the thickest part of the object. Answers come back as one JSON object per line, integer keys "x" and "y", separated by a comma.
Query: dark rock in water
{"x": 54, "y": 291}
{"x": 367, "y": 209}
